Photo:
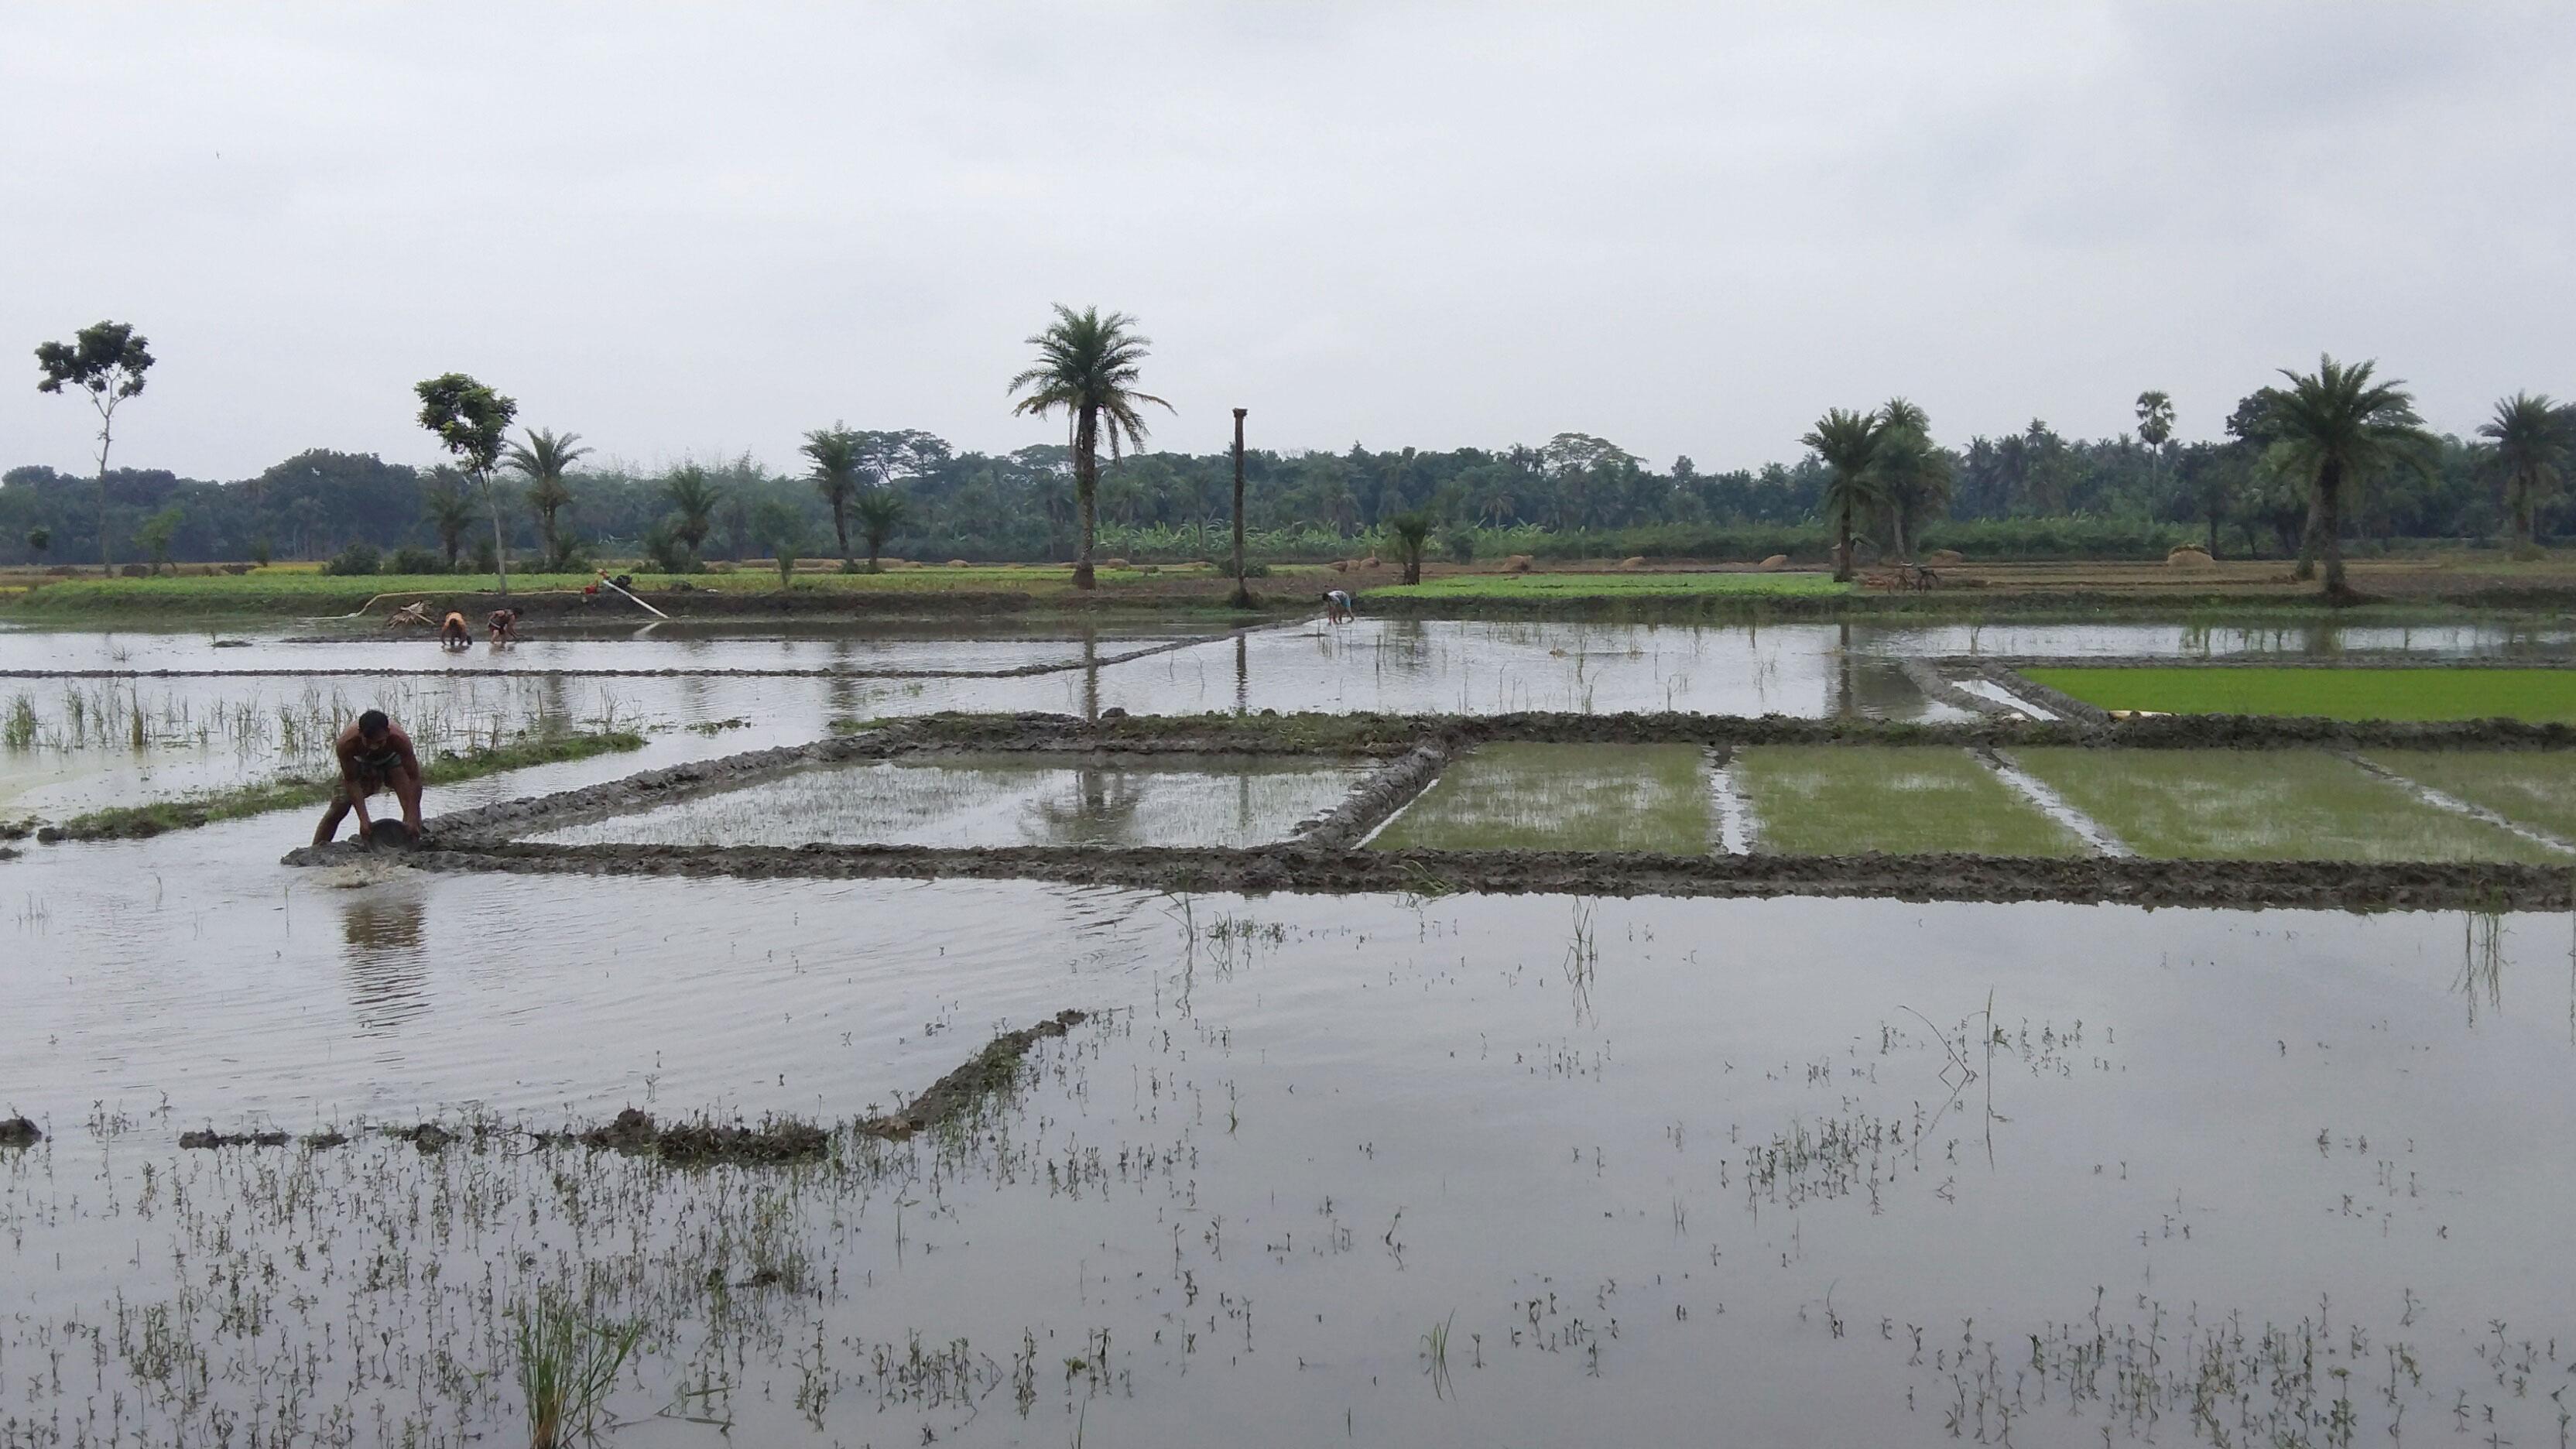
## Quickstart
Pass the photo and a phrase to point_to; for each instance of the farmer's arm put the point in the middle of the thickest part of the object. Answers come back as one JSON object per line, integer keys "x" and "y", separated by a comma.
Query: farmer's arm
{"x": 406, "y": 781}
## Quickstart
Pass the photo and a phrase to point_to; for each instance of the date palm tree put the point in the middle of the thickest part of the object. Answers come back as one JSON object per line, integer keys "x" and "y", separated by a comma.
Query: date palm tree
{"x": 880, "y": 512}
{"x": 543, "y": 459}
{"x": 2529, "y": 437}
{"x": 1087, "y": 367}
{"x": 1913, "y": 472}
{"x": 2335, "y": 429}
{"x": 1847, "y": 443}
{"x": 694, "y": 498}
{"x": 834, "y": 452}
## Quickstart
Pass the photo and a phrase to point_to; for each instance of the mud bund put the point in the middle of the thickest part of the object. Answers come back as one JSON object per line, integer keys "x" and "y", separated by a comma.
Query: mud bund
{"x": 1322, "y": 858}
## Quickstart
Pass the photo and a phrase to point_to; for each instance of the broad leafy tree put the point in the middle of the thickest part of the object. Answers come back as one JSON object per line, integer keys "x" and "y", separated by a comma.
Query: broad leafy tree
{"x": 107, "y": 361}
{"x": 2338, "y": 429}
{"x": 1847, "y": 444}
{"x": 834, "y": 452}
{"x": 473, "y": 423}
{"x": 880, "y": 512}
{"x": 2528, "y": 439}
{"x": 1087, "y": 369}
{"x": 544, "y": 459}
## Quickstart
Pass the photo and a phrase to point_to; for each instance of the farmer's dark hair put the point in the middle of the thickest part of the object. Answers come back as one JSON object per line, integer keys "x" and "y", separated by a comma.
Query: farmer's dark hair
{"x": 373, "y": 723}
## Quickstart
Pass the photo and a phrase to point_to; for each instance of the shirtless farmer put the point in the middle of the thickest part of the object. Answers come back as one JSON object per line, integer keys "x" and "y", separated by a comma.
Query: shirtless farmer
{"x": 375, "y": 755}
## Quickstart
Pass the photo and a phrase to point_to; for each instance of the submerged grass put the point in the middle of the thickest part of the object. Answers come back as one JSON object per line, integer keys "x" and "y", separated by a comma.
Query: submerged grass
{"x": 567, "y": 1365}
{"x": 1563, "y": 797}
{"x": 1839, "y": 800}
{"x": 2406, "y": 694}
{"x": 2264, "y": 805}
{"x": 134, "y": 822}
{"x": 2530, "y": 787}
{"x": 1605, "y": 585}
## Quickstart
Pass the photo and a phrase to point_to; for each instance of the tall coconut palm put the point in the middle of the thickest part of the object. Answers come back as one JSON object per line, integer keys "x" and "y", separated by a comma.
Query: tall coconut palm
{"x": 1914, "y": 475}
{"x": 2530, "y": 442}
{"x": 2336, "y": 429}
{"x": 834, "y": 452}
{"x": 1087, "y": 366}
{"x": 1847, "y": 444}
{"x": 543, "y": 460}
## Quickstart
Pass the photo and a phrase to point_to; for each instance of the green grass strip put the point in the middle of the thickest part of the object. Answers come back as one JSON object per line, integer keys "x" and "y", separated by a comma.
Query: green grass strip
{"x": 2265, "y": 805}
{"x": 2529, "y": 787}
{"x": 1908, "y": 799}
{"x": 1563, "y": 797}
{"x": 2538, "y": 695}
{"x": 1608, "y": 586}
{"x": 186, "y": 812}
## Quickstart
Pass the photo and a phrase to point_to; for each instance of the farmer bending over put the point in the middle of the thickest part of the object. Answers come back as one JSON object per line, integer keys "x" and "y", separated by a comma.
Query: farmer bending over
{"x": 375, "y": 755}
{"x": 504, "y": 624}
{"x": 452, "y": 633}
{"x": 1337, "y": 606}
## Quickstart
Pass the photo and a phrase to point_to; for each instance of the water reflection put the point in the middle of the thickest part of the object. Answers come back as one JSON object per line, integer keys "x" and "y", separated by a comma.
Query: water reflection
{"x": 387, "y": 963}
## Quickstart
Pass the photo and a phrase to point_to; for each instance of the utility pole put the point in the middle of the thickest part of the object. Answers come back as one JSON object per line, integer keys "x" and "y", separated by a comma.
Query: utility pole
{"x": 1242, "y": 596}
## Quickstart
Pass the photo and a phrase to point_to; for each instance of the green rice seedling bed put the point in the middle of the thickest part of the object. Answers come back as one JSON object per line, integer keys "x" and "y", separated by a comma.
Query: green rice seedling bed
{"x": 1563, "y": 797}
{"x": 2264, "y": 805}
{"x": 2530, "y": 787}
{"x": 2429, "y": 694}
{"x": 1578, "y": 586}
{"x": 1841, "y": 800}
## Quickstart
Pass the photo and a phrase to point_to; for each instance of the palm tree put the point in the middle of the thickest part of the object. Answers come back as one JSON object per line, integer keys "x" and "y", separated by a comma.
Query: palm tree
{"x": 1087, "y": 366}
{"x": 2155, "y": 427}
{"x": 2335, "y": 428}
{"x": 1913, "y": 472}
{"x": 835, "y": 454}
{"x": 543, "y": 460}
{"x": 880, "y": 512}
{"x": 1408, "y": 535}
{"x": 2531, "y": 444}
{"x": 694, "y": 499}
{"x": 450, "y": 510}
{"x": 1847, "y": 443}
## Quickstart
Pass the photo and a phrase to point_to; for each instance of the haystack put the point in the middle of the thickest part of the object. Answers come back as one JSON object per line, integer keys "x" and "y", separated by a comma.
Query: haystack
{"x": 2189, "y": 556}
{"x": 1774, "y": 563}
{"x": 1518, "y": 563}
{"x": 1636, "y": 561}
{"x": 1942, "y": 556}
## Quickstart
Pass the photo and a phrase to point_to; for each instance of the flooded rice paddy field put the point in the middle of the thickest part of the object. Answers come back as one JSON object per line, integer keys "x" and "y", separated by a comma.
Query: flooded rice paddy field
{"x": 1363, "y": 1169}
{"x": 215, "y": 720}
{"x": 1001, "y": 800}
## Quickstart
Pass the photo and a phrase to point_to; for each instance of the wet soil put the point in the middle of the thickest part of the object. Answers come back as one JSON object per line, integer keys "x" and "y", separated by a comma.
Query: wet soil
{"x": 988, "y": 1073}
{"x": 776, "y": 1141}
{"x": 207, "y": 1137}
{"x": 19, "y": 1132}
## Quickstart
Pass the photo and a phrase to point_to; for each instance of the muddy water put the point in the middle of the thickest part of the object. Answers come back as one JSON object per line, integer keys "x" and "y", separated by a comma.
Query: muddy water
{"x": 1705, "y": 1171}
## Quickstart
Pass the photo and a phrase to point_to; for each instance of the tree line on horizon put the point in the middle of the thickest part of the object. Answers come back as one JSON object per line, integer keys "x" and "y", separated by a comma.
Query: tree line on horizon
{"x": 1874, "y": 479}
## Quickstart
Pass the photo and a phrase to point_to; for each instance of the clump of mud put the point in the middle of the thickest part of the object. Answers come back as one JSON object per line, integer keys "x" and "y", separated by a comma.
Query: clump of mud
{"x": 209, "y": 1137}
{"x": 776, "y": 1141}
{"x": 993, "y": 1070}
{"x": 19, "y": 1132}
{"x": 329, "y": 1138}
{"x": 428, "y": 1136}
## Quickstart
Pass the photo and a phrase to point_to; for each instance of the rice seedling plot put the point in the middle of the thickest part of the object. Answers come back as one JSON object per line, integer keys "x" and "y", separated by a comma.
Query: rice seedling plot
{"x": 1841, "y": 799}
{"x": 2375, "y": 693}
{"x": 1604, "y": 585}
{"x": 2530, "y": 787}
{"x": 2286, "y": 804}
{"x": 1563, "y": 797}
{"x": 1000, "y": 800}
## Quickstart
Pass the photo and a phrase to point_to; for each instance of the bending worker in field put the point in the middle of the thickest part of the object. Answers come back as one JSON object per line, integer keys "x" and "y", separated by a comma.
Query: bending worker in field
{"x": 452, "y": 633}
{"x": 1337, "y": 607}
{"x": 374, "y": 755}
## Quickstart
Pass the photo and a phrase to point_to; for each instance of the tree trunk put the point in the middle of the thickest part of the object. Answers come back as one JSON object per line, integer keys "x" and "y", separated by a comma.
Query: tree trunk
{"x": 105, "y": 565}
{"x": 546, "y": 528}
{"x": 500, "y": 550}
{"x": 2330, "y": 528}
{"x": 1242, "y": 596}
{"x": 1842, "y": 543}
{"x": 2307, "y": 566}
{"x": 2213, "y": 526}
{"x": 1896, "y": 529}
{"x": 841, "y": 533}
{"x": 1086, "y": 480}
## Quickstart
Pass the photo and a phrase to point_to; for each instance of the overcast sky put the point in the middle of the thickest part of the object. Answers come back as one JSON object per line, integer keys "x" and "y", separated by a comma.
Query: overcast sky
{"x": 706, "y": 229}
